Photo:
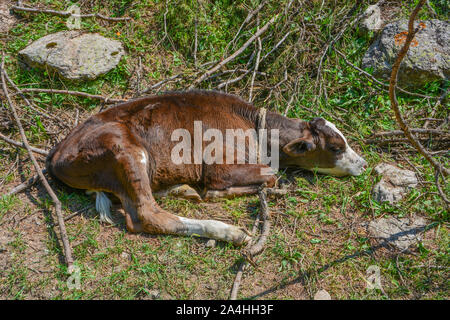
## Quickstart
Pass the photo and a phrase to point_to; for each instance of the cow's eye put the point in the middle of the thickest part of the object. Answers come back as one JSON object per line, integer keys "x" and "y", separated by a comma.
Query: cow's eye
{"x": 336, "y": 150}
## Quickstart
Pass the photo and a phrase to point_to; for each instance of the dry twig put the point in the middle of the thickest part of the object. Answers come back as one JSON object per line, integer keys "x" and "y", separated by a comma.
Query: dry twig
{"x": 440, "y": 170}
{"x": 235, "y": 54}
{"x": 64, "y": 237}
{"x": 254, "y": 249}
{"x": 74, "y": 93}
{"x": 68, "y": 14}
{"x": 21, "y": 144}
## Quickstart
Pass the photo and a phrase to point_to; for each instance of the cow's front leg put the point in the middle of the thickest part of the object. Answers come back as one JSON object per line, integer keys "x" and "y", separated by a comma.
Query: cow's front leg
{"x": 145, "y": 215}
{"x": 225, "y": 176}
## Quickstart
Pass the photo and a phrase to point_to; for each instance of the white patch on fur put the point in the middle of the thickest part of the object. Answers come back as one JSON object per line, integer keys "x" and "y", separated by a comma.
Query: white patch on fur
{"x": 144, "y": 157}
{"x": 350, "y": 162}
{"x": 215, "y": 230}
{"x": 103, "y": 207}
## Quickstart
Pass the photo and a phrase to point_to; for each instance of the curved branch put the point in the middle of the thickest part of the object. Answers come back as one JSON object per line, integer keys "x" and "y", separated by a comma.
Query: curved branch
{"x": 394, "y": 103}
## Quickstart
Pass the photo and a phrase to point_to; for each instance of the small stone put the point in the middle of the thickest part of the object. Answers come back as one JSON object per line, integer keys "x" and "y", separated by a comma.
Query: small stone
{"x": 401, "y": 233}
{"x": 372, "y": 20}
{"x": 211, "y": 243}
{"x": 322, "y": 295}
{"x": 73, "y": 54}
{"x": 394, "y": 184}
{"x": 126, "y": 256}
{"x": 154, "y": 294}
{"x": 7, "y": 20}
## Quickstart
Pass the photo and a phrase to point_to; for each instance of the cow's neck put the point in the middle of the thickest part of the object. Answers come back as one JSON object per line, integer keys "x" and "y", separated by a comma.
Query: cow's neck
{"x": 289, "y": 129}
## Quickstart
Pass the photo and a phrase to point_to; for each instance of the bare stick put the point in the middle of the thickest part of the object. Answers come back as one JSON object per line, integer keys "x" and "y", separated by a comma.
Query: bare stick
{"x": 415, "y": 130}
{"x": 74, "y": 93}
{"x": 247, "y": 20}
{"x": 31, "y": 181}
{"x": 255, "y": 70}
{"x": 22, "y": 145}
{"x": 195, "y": 42}
{"x": 254, "y": 248}
{"x": 236, "y": 53}
{"x": 403, "y": 140}
{"x": 32, "y": 105}
{"x": 394, "y": 103}
{"x": 438, "y": 103}
{"x": 68, "y": 14}
{"x": 160, "y": 83}
{"x": 227, "y": 82}
{"x": 64, "y": 238}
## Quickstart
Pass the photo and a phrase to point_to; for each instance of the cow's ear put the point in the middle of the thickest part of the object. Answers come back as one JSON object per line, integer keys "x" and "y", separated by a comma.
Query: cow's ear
{"x": 298, "y": 147}
{"x": 317, "y": 124}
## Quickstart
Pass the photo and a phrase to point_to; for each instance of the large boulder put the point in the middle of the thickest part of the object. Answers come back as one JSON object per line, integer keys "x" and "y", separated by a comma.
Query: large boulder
{"x": 428, "y": 57}
{"x": 73, "y": 54}
{"x": 394, "y": 183}
{"x": 399, "y": 232}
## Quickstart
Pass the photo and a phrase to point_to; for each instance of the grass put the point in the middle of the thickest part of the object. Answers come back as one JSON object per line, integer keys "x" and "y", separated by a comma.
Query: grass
{"x": 317, "y": 241}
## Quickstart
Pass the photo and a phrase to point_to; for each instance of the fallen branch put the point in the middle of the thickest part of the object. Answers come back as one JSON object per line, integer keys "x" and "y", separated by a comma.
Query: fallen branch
{"x": 247, "y": 20}
{"x": 253, "y": 249}
{"x": 68, "y": 14}
{"x": 403, "y": 140}
{"x": 440, "y": 170}
{"x": 433, "y": 112}
{"x": 160, "y": 83}
{"x": 76, "y": 213}
{"x": 33, "y": 106}
{"x": 235, "y": 54}
{"x": 255, "y": 70}
{"x": 74, "y": 93}
{"x": 415, "y": 130}
{"x": 22, "y": 145}
{"x": 31, "y": 181}
{"x": 64, "y": 238}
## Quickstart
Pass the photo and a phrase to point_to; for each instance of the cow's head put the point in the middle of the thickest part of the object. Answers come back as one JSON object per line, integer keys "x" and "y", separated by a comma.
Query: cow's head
{"x": 324, "y": 148}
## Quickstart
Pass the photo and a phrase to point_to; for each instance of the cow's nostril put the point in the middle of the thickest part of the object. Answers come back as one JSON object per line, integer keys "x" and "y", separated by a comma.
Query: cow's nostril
{"x": 364, "y": 165}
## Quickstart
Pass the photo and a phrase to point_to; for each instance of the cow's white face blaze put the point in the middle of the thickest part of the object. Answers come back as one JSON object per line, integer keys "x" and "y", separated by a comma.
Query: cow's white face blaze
{"x": 323, "y": 148}
{"x": 350, "y": 163}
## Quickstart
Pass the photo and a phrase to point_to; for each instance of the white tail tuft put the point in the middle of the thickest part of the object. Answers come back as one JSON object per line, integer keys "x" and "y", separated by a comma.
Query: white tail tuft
{"x": 103, "y": 207}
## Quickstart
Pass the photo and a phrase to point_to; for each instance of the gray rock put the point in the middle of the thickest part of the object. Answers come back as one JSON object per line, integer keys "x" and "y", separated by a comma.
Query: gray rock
{"x": 154, "y": 294}
{"x": 7, "y": 20}
{"x": 372, "y": 20}
{"x": 401, "y": 233}
{"x": 211, "y": 243}
{"x": 322, "y": 295}
{"x": 376, "y": 17}
{"x": 394, "y": 184}
{"x": 428, "y": 57}
{"x": 126, "y": 256}
{"x": 74, "y": 55}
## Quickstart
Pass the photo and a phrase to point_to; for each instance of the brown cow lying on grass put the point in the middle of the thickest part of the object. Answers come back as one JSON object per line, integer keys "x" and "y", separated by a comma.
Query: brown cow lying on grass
{"x": 128, "y": 150}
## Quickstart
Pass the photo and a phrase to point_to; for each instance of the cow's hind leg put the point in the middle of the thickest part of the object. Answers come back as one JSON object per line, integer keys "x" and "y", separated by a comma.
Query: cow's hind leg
{"x": 145, "y": 215}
